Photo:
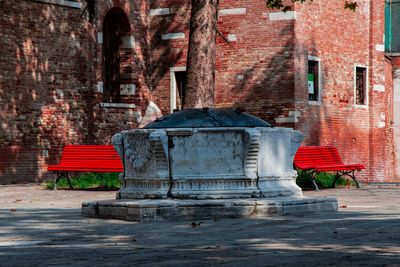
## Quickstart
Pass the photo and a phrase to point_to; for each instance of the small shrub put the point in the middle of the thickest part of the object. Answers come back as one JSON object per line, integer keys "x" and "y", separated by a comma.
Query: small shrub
{"x": 108, "y": 181}
{"x": 303, "y": 180}
{"x": 323, "y": 180}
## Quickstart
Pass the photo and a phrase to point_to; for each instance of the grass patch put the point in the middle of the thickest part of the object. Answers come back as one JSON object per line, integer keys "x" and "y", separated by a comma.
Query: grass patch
{"x": 323, "y": 180}
{"x": 90, "y": 180}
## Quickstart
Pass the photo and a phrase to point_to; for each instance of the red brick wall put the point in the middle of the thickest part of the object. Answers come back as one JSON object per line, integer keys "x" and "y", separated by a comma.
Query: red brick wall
{"x": 327, "y": 31}
{"x": 256, "y": 71}
{"x": 43, "y": 85}
{"x": 389, "y": 133}
{"x": 52, "y": 65}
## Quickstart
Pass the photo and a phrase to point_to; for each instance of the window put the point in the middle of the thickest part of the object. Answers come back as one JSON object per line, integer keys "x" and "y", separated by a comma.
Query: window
{"x": 178, "y": 88}
{"x": 313, "y": 80}
{"x": 392, "y": 26}
{"x": 360, "y": 85}
{"x": 115, "y": 26}
{"x": 180, "y": 78}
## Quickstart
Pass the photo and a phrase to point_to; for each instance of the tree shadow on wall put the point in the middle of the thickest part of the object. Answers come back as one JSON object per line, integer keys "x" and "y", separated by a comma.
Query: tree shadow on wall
{"x": 154, "y": 57}
{"x": 148, "y": 64}
{"x": 272, "y": 87}
{"x": 265, "y": 88}
{"x": 44, "y": 86}
{"x": 48, "y": 74}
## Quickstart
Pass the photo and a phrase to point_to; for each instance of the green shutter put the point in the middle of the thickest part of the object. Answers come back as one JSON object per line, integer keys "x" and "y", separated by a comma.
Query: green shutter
{"x": 388, "y": 26}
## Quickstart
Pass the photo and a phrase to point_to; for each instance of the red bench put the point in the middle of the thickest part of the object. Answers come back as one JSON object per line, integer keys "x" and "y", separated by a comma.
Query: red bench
{"x": 315, "y": 159}
{"x": 82, "y": 158}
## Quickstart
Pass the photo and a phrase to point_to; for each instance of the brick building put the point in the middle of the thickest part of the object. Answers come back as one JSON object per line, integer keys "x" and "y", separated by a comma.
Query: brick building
{"x": 77, "y": 72}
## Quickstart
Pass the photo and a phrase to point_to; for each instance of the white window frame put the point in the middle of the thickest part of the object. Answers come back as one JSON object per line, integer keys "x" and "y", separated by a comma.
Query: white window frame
{"x": 319, "y": 100}
{"x": 173, "y": 86}
{"x": 366, "y": 85}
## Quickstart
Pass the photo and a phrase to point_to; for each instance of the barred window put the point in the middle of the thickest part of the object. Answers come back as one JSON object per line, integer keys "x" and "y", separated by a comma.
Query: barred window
{"x": 313, "y": 80}
{"x": 361, "y": 86}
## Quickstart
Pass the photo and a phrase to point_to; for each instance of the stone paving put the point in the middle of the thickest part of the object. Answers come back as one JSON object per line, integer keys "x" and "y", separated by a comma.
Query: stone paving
{"x": 40, "y": 227}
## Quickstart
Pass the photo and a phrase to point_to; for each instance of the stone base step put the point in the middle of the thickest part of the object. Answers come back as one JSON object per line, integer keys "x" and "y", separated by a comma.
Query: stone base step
{"x": 177, "y": 209}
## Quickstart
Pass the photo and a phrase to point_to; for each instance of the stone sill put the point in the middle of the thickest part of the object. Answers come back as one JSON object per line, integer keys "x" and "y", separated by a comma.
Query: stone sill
{"x": 361, "y": 106}
{"x": 65, "y": 3}
{"x": 392, "y": 54}
{"x": 117, "y": 105}
{"x": 313, "y": 102}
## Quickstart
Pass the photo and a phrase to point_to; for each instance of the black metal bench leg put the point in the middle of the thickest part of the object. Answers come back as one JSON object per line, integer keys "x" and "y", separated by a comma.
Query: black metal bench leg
{"x": 315, "y": 184}
{"x": 354, "y": 178}
{"x": 334, "y": 180}
{"x": 60, "y": 174}
{"x": 69, "y": 181}
{"x": 312, "y": 173}
{"x": 56, "y": 180}
{"x": 351, "y": 174}
{"x": 312, "y": 179}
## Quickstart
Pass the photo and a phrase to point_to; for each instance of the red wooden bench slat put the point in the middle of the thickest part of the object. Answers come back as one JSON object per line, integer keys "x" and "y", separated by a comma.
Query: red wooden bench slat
{"x": 96, "y": 158}
{"x": 322, "y": 159}
{"x": 313, "y": 156}
{"x": 86, "y": 158}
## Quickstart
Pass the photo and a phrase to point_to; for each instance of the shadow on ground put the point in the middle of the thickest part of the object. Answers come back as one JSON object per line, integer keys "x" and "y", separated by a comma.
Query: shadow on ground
{"x": 62, "y": 237}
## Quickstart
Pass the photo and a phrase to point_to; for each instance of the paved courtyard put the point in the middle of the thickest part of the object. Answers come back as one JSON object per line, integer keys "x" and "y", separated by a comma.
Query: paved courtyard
{"x": 41, "y": 227}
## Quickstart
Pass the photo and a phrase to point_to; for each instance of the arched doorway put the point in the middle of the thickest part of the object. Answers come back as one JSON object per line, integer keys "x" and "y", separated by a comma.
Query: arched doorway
{"x": 115, "y": 26}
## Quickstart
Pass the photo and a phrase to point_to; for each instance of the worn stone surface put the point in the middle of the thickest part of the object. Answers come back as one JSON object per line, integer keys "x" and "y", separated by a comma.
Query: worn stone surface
{"x": 175, "y": 209}
{"x": 47, "y": 229}
{"x": 200, "y": 163}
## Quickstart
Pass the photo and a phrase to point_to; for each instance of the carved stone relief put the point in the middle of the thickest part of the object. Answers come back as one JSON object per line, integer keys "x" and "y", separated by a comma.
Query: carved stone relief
{"x": 137, "y": 150}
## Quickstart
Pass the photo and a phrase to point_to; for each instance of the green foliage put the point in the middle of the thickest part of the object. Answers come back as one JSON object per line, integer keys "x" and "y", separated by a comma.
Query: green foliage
{"x": 351, "y": 5}
{"x": 108, "y": 181}
{"x": 277, "y": 4}
{"x": 323, "y": 180}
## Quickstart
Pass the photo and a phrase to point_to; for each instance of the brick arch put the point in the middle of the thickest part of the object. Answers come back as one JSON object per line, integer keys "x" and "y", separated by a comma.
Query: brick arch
{"x": 113, "y": 5}
{"x": 121, "y": 18}
{"x": 115, "y": 26}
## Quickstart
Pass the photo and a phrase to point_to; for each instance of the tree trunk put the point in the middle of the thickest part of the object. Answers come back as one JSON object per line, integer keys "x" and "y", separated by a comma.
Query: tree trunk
{"x": 201, "y": 54}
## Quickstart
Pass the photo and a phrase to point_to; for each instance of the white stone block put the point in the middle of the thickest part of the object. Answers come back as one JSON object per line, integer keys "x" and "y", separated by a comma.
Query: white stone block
{"x": 159, "y": 11}
{"x": 379, "y": 88}
{"x": 45, "y": 153}
{"x": 73, "y": 4}
{"x": 60, "y": 93}
{"x": 380, "y": 48}
{"x": 117, "y": 105}
{"x": 127, "y": 89}
{"x": 232, "y": 11}
{"x": 128, "y": 42}
{"x": 293, "y": 117}
{"x": 232, "y": 37}
{"x": 172, "y": 36}
{"x": 289, "y": 15}
{"x": 100, "y": 87}
{"x": 100, "y": 37}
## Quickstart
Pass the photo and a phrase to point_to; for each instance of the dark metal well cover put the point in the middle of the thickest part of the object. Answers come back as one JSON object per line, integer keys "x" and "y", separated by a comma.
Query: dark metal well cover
{"x": 207, "y": 117}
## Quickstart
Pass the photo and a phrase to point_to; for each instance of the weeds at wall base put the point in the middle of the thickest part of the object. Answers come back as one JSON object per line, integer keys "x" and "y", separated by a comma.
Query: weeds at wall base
{"x": 90, "y": 180}
{"x": 323, "y": 180}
